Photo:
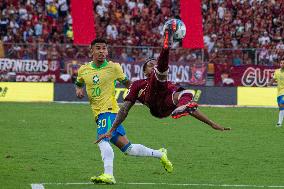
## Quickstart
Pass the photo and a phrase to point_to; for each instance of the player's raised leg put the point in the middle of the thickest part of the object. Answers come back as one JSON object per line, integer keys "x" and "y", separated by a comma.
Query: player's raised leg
{"x": 161, "y": 70}
{"x": 202, "y": 117}
{"x": 140, "y": 150}
{"x": 162, "y": 67}
{"x": 185, "y": 106}
{"x": 120, "y": 140}
{"x": 184, "y": 102}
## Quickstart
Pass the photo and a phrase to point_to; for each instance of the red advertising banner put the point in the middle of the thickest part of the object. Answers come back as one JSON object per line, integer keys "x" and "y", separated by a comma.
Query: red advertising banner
{"x": 30, "y": 70}
{"x": 83, "y": 21}
{"x": 190, "y": 13}
{"x": 181, "y": 72}
{"x": 247, "y": 75}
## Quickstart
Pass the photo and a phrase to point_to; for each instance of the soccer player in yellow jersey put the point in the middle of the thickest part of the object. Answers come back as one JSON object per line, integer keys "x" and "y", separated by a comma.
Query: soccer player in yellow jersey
{"x": 99, "y": 77}
{"x": 279, "y": 78}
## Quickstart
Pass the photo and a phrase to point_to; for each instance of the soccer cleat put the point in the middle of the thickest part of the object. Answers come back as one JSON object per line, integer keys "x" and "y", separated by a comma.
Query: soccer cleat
{"x": 184, "y": 110}
{"x": 165, "y": 161}
{"x": 278, "y": 125}
{"x": 103, "y": 179}
{"x": 166, "y": 40}
{"x": 174, "y": 26}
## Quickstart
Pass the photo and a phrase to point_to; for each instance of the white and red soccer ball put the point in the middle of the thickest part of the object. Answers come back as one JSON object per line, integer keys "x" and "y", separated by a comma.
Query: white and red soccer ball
{"x": 177, "y": 26}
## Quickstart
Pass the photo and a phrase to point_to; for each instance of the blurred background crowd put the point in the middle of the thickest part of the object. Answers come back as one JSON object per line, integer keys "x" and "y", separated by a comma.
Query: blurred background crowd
{"x": 234, "y": 31}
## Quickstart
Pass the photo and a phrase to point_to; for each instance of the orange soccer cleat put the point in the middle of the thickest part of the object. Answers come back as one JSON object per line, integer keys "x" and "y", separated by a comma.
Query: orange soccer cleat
{"x": 184, "y": 110}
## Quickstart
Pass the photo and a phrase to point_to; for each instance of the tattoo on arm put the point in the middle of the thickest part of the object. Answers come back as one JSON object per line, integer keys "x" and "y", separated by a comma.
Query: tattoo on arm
{"x": 122, "y": 114}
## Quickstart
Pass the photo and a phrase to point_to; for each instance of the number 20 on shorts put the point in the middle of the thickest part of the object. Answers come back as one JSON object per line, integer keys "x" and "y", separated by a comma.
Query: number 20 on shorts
{"x": 102, "y": 123}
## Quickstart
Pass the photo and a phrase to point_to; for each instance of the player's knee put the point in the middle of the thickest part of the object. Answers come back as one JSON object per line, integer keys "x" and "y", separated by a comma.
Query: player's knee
{"x": 187, "y": 93}
{"x": 106, "y": 150}
{"x": 183, "y": 97}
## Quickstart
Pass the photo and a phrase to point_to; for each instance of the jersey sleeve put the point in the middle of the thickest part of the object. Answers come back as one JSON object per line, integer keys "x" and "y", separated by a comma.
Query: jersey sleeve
{"x": 275, "y": 75}
{"x": 120, "y": 76}
{"x": 79, "y": 80}
{"x": 132, "y": 93}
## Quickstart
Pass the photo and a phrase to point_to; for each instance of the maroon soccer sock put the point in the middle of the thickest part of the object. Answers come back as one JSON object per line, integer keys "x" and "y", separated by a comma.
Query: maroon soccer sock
{"x": 184, "y": 99}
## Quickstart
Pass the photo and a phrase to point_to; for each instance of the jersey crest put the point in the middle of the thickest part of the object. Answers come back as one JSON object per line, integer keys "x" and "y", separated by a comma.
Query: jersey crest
{"x": 96, "y": 79}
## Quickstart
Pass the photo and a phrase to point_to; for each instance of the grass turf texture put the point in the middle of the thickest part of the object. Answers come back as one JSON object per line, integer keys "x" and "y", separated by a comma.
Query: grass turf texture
{"x": 52, "y": 143}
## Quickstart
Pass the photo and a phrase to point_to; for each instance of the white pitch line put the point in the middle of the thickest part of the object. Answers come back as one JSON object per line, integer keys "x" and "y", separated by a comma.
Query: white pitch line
{"x": 37, "y": 186}
{"x": 202, "y": 105}
{"x": 40, "y": 186}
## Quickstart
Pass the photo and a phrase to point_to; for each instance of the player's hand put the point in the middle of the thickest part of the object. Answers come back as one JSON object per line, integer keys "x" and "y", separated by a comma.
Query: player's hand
{"x": 219, "y": 128}
{"x": 80, "y": 92}
{"x": 101, "y": 137}
{"x": 226, "y": 129}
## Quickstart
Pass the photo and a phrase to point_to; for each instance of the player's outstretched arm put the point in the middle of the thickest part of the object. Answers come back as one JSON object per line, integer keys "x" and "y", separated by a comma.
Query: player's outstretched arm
{"x": 200, "y": 116}
{"x": 79, "y": 85}
{"x": 120, "y": 117}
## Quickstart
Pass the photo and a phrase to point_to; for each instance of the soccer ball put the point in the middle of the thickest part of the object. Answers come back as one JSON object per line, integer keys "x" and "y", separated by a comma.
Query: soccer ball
{"x": 180, "y": 28}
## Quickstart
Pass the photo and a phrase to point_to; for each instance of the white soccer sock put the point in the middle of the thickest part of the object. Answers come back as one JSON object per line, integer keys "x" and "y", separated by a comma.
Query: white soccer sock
{"x": 140, "y": 150}
{"x": 107, "y": 156}
{"x": 281, "y": 116}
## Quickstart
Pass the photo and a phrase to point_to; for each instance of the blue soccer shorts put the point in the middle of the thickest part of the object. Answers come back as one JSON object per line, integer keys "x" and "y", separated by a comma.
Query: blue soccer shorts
{"x": 280, "y": 100}
{"x": 104, "y": 123}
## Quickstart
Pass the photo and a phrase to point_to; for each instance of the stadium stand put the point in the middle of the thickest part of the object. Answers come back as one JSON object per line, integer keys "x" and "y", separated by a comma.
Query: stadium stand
{"x": 234, "y": 31}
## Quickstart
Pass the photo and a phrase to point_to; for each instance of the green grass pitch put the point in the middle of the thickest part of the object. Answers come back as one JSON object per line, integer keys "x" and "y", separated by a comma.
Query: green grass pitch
{"x": 52, "y": 143}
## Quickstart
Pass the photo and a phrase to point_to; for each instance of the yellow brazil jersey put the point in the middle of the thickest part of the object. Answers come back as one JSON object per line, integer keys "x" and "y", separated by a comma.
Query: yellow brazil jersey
{"x": 100, "y": 85}
{"x": 279, "y": 77}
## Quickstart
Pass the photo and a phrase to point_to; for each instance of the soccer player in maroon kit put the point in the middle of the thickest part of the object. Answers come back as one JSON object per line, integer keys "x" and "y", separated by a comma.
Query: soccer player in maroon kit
{"x": 162, "y": 97}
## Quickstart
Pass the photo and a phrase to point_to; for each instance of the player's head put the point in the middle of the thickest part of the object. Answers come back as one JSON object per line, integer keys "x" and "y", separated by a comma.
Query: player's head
{"x": 99, "y": 49}
{"x": 148, "y": 66}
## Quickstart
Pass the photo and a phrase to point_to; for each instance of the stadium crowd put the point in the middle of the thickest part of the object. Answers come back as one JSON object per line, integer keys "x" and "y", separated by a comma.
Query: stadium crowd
{"x": 240, "y": 24}
{"x": 42, "y": 29}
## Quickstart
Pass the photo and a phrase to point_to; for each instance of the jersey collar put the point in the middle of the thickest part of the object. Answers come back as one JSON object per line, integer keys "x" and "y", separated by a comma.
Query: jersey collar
{"x": 95, "y": 66}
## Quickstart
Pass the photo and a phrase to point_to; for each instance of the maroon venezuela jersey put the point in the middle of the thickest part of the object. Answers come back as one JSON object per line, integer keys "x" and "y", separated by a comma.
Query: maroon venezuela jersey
{"x": 158, "y": 98}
